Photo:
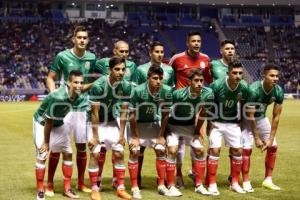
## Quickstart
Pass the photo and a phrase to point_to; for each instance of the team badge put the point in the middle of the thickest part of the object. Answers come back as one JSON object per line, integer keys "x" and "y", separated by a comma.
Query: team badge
{"x": 202, "y": 65}
{"x": 87, "y": 65}
{"x": 239, "y": 96}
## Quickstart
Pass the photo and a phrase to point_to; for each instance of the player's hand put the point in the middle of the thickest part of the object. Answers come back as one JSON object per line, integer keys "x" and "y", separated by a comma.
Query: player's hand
{"x": 44, "y": 148}
{"x": 93, "y": 143}
{"x": 134, "y": 143}
{"x": 161, "y": 140}
{"x": 259, "y": 143}
{"x": 122, "y": 140}
{"x": 268, "y": 143}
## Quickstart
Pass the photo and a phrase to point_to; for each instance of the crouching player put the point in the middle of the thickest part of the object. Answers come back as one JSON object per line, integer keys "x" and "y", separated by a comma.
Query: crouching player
{"x": 229, "y": 92}
{"x": 262, "y": 93}
{"x": 186, "y": 104}
{"x": 107, "y": 93}
{"x": 50, "y": 131}
{"x": 151, "y": 100}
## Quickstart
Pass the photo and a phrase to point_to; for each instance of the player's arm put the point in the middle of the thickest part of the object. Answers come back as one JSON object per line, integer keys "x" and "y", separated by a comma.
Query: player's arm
{"x": 123, "y": 119}
{"x": 275, "y": 121}
{"x": 251, "y": 119}
{"x": 199, "y": 123}
{"x": 87, "y": 87}
{"x": 164, "y": 124}
{"x": 51, "y": 81}
{"x": 47, "y": 130}
{"x": 135, "y": 135}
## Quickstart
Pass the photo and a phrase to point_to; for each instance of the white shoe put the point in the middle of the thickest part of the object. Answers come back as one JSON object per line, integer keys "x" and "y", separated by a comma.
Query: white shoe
{"x": 179, "y": 182}
{"x": 213, "y": 190}
{"x": 136, "y": 193}
{"x": 162, "y": 190}
{"x": 270, "y": 185}
{"x": 202, "y": 190}
{"x": 237, "y": 188}
{"x": 174, "y": 192}
{"x": 247, "y": 187}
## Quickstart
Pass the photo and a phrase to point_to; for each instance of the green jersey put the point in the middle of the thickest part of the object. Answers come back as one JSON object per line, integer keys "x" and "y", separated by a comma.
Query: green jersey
{"x": 140, "y": 75}
{"x": 57, "y": 105}
{"x": 102, "y": 67}
{"x": 66, "y": 61}
{"x": 218, "y": 69}
{"x": 149, "y": 106}
{"x": 185, "y": 107}
{"x": 109, "y": 97}
{"x": 257, "y": 94}
{"x": 227, "y": 100}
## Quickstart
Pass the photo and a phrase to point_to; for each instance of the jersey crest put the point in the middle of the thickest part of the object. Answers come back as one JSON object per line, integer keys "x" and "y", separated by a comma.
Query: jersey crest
{"x": 202, "y": 65}
{"x": 87, "y": 65}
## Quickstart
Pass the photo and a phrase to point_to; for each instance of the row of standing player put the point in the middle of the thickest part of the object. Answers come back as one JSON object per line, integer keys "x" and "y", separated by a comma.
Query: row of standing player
{"x": 182, "y": 63}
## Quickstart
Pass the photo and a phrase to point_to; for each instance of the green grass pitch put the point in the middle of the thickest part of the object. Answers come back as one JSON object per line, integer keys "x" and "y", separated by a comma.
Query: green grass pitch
{"x": 17, "y": 160}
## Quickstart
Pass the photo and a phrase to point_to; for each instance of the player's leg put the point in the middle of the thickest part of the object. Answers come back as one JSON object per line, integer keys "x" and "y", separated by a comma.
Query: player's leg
{"x": 133, "y": 167}
{"x": 233, "y": 138}
{"x": 79, "y": 128}
{"x": 179, "y": 162}
{"x": 172, "y": 144}
{"x": 93, "y": 167}
{"x": 264, "y": 127}
{"x": 52, "y": 166}
{"x": 38, "y": 135}
{"x": 160, "y": 152}
{"x": 215, "y": 142}
{"x": 141, "y": 160}
{"x": 247, "y": 151}
{"x": 198, "y": 166}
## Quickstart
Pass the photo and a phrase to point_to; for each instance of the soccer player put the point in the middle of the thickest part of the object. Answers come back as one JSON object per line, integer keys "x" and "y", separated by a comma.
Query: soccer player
{"x": 108, "y": 93}
{"x": 182, "y": 64}
{"x": 219, "y": 68}
{"x": 156, "y": 54}
{"x": 186, "y": 105}
{"x": 121, "y": 49}
{"x": 230, "y": 92}
{"x": 151, "y": 101}
{"x": 262, "y": 94}
{"x": 80, "y": 59}
{"x": 50, "y": 130}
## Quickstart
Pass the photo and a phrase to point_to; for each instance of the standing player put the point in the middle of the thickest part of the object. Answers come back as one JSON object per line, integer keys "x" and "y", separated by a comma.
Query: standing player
{"x": 106, "y": 94}
{"x": 140, "y": 76}
{"x": 80, "y": 59}
{"x": 151, "y": 100}
{"x": 182, "y": 64}
{"x": 229, "y": 92}
{"x": 263, "y": 93}
{"x": 121, "y": 49}
{"x": 186, "y": 105}
{"x": 49, "y": 127}
{"x": 219, "y": 68}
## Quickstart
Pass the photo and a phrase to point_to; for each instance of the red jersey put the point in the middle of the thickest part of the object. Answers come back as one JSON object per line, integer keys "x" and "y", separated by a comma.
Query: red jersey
{"x": 182, "y": 64}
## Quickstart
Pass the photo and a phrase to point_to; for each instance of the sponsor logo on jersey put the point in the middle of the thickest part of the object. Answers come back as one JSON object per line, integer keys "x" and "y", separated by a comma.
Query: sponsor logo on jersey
{"x": 87, "y": 65}
{"x": 202, "y": 65}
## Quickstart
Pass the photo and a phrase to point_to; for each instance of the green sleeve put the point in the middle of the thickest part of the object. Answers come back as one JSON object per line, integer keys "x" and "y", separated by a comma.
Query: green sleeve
{"x": 56, "y": 65}
{"x": 134, "y": 100}
{"x": 100, "y": 67}
{"x": 96, "y": 91}
{"x": 279, "y": 96}
{"x": 172, "y": 79}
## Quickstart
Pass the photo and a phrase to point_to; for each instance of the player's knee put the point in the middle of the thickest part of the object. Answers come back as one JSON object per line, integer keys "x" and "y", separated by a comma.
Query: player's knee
{"x": 172, "y": 151}
{"x": 214, "y": 152}
{"x": 199, "y": 152}
{"x": 235, "y": 151}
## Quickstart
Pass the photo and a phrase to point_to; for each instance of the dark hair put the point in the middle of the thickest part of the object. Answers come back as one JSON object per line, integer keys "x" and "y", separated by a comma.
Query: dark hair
{"x": 75, "y": 72}
{"x": 192, "y": 33}
{"x": 154, "y": 44}
{"x": 270, "y": 66}
{"x": 227, "y": 41}
{"x": 78, "y": 29}
{"x": 115, "y": 60}
{"x": 235, "y": 64}
{"x": 195, "y": 72}
{"x": 154, "y": 69}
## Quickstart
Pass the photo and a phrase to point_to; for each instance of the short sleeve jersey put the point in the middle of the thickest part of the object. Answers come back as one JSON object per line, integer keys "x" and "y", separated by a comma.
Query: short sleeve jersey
{"x": 257, "y": 94}
{"x": 227, "y": 100}
{"x": 148, "y": 107}
{"x": 57, "y": 105}
{"x": 140, "y": 75}
{"x": 185, "y": 106}
{"x": 66, "y": 61}
{"x": 102, "y": 67}
{"x": 218, "y": 69}
{"x": 182, "y": 64}
{"x": 109, "y": 97}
